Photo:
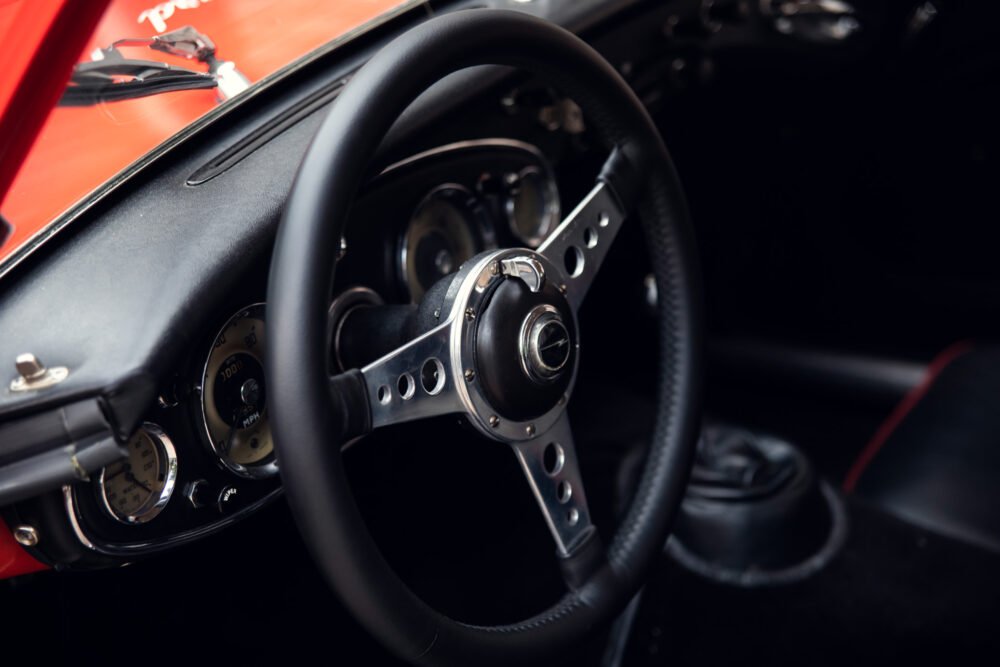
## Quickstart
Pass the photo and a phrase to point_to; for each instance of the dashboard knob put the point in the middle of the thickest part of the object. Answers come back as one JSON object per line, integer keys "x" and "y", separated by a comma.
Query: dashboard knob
{"x": 229, "y": 499}
{"x": 200, "y": 494}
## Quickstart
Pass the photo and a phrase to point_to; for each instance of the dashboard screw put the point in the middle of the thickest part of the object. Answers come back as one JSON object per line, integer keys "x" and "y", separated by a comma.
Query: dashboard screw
{"x": 562, "y": 288}
{"x": 26, "y": 535}
{"x": 494, "y": 268}
{"x": 494, "y": 421}
{"x": 470, "y": 375}
{"x": 530, "y": 429}
{"x": 470, "y": 314}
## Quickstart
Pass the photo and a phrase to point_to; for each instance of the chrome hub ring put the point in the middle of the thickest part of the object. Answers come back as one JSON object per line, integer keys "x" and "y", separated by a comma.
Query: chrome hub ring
{"x": 544, "y": 344}
{"x": 548, "y": 350}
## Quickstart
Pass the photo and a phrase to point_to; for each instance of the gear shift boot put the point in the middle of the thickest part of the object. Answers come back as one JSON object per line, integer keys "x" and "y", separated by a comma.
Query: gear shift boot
{"x": 755, "y": 512}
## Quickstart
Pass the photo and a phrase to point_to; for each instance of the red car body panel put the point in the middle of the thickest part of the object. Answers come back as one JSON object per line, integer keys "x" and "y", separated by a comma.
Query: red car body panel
{"x": 39, "y": 43}
{"x": 14, "y": 560}
{"x": 79, "y": 148}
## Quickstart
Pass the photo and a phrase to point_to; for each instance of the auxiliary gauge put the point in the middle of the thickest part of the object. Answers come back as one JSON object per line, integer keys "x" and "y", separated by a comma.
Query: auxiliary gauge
{"x": 532, "y": 206}
{"x": 137, "y": 489}
{"x": 234, "y": 393}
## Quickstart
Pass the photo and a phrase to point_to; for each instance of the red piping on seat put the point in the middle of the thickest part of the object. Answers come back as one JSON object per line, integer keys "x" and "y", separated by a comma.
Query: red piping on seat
{"x": 904, "y": 407}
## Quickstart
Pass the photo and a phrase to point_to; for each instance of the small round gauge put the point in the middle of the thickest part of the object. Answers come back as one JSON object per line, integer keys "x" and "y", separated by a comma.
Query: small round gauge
{"x": 137, "y": 489}
{"x": 532, "y": 206}
{"x": 446, "y": 229}
{"x": 234, "y": 396}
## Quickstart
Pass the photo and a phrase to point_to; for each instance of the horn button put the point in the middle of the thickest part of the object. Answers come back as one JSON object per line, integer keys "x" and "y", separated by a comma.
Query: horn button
{"x": 526, "y": 348}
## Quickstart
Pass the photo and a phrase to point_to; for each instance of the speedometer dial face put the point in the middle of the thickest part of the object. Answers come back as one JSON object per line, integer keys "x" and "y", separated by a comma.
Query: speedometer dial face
{"x": 137, "y": 489}
{"x": 234, "y": 393}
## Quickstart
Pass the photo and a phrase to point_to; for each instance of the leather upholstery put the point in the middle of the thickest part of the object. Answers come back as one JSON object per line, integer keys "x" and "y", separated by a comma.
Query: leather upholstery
{"x": 939, "y": 467}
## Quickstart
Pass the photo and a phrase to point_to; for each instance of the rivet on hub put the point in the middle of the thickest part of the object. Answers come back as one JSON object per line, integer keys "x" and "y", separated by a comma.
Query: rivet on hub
{"x": 494, "y": 421}
{"x": 470, "y": 375}
{"x": 530, "y": 429}
{"x": 470, "y": 314}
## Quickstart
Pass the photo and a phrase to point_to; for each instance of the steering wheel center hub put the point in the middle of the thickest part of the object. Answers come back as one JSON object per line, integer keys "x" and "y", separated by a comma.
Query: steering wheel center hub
{"x": 518, "y": 336}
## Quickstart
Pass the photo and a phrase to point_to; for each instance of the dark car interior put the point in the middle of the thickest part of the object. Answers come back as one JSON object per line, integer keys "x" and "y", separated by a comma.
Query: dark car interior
{"x": 838, "y": 160}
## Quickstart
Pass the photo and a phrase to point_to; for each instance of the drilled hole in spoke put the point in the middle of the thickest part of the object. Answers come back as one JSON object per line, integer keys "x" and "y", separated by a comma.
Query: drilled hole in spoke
{"x": 406, "y": 386}
{"x": 573, "y": 259}
{"x": 590, "y": 237}
{"x": 384, "y": 395}
{"x": 553, "y": 459}
{"x": 432, "y": 376}
{"x": 564, "y": 491}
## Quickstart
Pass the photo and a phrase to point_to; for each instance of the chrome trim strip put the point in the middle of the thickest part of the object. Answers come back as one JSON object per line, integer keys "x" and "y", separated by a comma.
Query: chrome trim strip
{"x": 469, "y": 144}
{"x": 74, "y": 520}
{"x": 132, "y": 549}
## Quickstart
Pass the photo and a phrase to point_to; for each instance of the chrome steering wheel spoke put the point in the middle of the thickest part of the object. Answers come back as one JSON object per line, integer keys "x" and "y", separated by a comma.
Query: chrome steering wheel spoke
{"x": 581, "y": 242}
{"x": 414, "y": 381}
{"x": 550, "y": 464}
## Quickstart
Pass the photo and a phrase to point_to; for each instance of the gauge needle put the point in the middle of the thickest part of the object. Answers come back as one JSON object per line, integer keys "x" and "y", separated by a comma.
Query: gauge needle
{"x": 232, "y": 433}
{"x": 115, "y": 474}
{"x": 132, "y": 478}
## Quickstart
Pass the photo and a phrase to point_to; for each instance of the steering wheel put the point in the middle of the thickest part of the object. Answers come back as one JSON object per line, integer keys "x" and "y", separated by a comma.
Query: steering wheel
{"x": 499, "y": 344}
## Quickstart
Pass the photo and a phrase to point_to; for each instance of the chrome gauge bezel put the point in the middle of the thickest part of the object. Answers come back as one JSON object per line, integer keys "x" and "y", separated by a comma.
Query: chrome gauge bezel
{"x": 482, "y": 231}
{"x": 266, "y": 467}
{"x": 550, "y": 216}
{"x": 167, "y": 455}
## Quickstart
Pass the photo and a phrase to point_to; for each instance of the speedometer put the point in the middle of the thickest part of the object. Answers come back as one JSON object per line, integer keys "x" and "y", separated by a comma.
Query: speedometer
{"x": 233, "y": 396}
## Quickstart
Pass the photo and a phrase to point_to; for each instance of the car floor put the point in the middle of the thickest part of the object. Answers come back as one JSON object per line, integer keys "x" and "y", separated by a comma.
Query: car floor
{"x": 895, "y": 593}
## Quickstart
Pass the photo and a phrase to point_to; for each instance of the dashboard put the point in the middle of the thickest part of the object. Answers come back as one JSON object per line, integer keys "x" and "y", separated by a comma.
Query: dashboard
{"x": 203, "y": 455}
{"x": 150, "y": 294}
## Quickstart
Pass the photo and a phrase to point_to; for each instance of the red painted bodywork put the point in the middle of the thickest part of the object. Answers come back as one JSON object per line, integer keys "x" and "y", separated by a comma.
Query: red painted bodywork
{"x": 39, "y": 42}
{"x": 51, "y": 158}
{"x": 14, "y": 560}
{"x": 78, "y": 149}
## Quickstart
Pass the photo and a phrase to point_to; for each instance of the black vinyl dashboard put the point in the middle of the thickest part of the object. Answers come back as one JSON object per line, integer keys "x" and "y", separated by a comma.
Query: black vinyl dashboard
{"x": 153, "y": 301}
{"x": 203, "y": 455}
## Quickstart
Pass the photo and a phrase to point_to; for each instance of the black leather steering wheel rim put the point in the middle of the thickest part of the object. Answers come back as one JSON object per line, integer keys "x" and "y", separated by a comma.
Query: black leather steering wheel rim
{"x": 310, "y": 421}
